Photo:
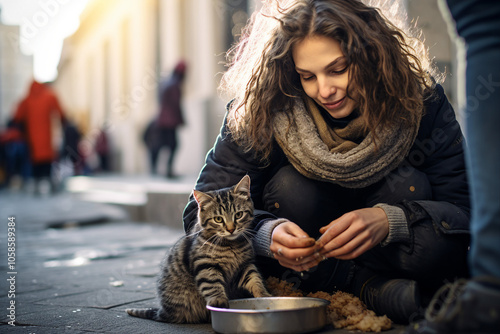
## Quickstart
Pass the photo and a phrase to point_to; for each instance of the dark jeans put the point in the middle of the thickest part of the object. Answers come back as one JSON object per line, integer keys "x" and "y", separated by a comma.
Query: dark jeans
{"x": 478, "y": 22}
{"x": 17, "y": 160}
{"x": 430, "y": 258}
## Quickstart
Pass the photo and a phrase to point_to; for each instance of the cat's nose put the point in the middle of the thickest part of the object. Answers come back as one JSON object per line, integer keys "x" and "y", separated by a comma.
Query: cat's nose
{"x": 230, "y": 230}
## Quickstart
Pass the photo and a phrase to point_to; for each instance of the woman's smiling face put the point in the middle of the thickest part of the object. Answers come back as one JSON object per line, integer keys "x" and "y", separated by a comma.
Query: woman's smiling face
{"x": 324, "y": 74}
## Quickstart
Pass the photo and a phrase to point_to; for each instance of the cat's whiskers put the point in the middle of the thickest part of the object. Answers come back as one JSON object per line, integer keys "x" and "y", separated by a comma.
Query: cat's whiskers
{"x": 206, "y": 241}
{"x": 218, "y": 242}
{"x": 212, "y": 243}
{"x": 250, "y": 231}
{"x": 247, "y": 238}
{"x": 195, "y": 233}
{"x": 246, "y": 234}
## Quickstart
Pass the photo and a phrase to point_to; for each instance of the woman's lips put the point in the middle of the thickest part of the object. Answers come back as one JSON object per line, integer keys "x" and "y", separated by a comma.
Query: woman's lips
{"x": 334, "y": 105}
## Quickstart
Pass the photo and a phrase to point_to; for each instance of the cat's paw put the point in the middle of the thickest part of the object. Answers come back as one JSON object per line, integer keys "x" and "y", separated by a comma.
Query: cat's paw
{"x": 266, "y": 294}
{"x": 262, "y": 293}
{"x": 259, "y": 290}
{"x": 218, "y": 302}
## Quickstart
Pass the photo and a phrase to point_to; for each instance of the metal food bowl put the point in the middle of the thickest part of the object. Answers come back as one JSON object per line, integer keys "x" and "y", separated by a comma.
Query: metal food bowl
{"x": 270, "y": 315}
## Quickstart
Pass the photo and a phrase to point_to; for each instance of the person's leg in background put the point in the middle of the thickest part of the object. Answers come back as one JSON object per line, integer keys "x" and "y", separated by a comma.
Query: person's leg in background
{"x": 171, "y": 143}
{"x": 474, "y": 306}
{"x": 153, "y": 159}
{"x": 42, "y": 172}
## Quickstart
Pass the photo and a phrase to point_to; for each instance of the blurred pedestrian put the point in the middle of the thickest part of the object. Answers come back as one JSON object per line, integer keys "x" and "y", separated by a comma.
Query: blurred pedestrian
{"x": 102, "y": 149}
{"x": 473, "y": 306}
{"x": 15, "y": 153}
{"x": 70, "y": 152}
{"x": 35, "y": 113}
{"x": 162, "y": 131}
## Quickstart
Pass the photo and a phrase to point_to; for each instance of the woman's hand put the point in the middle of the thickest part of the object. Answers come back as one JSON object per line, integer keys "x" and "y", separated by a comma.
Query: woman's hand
{"x": 354, "y": 233}
{"x": 293, "y": 248}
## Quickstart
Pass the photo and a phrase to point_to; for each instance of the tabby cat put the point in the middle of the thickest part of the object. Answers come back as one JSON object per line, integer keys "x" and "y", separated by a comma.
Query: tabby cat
{"x": 212, "y": 264}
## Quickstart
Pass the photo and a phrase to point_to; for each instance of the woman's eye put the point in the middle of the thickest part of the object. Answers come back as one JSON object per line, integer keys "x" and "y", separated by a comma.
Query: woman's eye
{"x": 218, "y": 219}
{"x": 307, "y": 78}
{"x": 340, "y": 71}
{"x": 239, "y": 214}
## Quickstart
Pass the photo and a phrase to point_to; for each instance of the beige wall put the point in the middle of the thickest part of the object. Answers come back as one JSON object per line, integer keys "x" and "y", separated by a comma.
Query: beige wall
{"x": 16, "y": 72}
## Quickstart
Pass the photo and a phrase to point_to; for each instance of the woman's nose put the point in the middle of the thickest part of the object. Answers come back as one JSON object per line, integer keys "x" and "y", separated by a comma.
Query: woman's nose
{"x": 325, "y": 89}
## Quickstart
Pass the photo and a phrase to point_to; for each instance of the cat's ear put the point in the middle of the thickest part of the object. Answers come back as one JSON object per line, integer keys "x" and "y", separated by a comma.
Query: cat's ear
{"x": 243, "y": 186}
{"x": 201, "y": 197}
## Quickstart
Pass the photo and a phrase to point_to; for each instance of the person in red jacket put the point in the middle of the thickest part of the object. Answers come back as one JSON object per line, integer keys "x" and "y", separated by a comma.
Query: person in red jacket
{"x": 36, "y": 112}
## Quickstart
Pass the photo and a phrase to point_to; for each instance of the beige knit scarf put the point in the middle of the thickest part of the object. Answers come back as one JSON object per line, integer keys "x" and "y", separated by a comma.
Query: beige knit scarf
{"x": 333, "y": 155}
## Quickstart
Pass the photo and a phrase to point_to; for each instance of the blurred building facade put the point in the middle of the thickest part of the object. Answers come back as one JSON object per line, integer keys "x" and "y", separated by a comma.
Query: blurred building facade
{"x": 110, "y": 69}
{"x": 16, "y": 71}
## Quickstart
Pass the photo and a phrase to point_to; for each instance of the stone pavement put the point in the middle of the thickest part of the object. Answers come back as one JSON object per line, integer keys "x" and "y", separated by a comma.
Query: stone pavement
{"x": 78, "y": 265}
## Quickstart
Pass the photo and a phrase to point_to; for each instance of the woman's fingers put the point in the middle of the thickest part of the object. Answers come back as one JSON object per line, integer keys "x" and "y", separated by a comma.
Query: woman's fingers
{"x": 292, "y": 236}
{"x": 292, "y": 258}
{"x": 354, "y": 233}
{"x": 355, "y": 245}
{"x": 296, "y": 254}
{"x": 333, "y": 230}
{"x": 350, "y": 251}
{"x": 298, "y": 264}
{"x": 344, "y": 238}
{"x": 290, "y": 241}
{"x": 294, "y": 249}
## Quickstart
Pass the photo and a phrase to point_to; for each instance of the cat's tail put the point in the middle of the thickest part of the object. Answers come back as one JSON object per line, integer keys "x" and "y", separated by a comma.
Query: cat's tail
{"x": 146, "y": 313}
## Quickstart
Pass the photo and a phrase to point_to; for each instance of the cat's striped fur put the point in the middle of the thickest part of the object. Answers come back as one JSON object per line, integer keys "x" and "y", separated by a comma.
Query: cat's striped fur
{"x": 212, "y": 264}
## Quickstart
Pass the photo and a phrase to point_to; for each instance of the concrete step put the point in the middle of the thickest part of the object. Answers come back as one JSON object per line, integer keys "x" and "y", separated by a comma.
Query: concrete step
{"x": 146, "y": 198}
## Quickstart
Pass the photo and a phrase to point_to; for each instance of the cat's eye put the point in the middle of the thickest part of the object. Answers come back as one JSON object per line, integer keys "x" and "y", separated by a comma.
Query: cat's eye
{"x": 239, "y": 214}
{"x": 218, "y": 219}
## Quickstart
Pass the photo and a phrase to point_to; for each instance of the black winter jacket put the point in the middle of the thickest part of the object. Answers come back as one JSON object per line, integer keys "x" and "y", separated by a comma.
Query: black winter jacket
{"x": 437, "y": 152}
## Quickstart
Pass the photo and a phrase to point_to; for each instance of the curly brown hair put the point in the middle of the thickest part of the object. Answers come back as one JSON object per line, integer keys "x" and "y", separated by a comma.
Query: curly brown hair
{"x": 386, "y": 78}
